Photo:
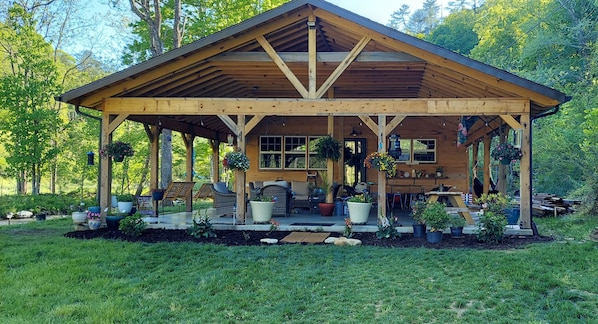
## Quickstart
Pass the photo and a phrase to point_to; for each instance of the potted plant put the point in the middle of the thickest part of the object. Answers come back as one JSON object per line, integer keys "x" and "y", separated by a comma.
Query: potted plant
{"x": 382, "y": 162}
{"x": 499, "y": 204}
{"x": 327, "y": 206}
{"x": 113, "y": 220}
{"x": 439, "y": 171}
{"x": 261, "y": 209}
{"x": 236, "y": 161}
{"x": 436, "y": 219}
{"x": 506, "y": 153}
{"x": 40, "y": 213}
{"x": 328, "y": 148}
{"x": 457, "y": 223}
{"x": 78, "y": 214}
{"x": 359, "y": 208}
{"x": 118, "y": 150}
{"x": 94, "y": 220}
{"x": 419, "y": 226}
{"x": 125, "y": 203}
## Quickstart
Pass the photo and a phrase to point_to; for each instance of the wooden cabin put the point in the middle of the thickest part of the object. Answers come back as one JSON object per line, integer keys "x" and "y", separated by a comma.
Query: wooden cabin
{"x": 309, "y": 68}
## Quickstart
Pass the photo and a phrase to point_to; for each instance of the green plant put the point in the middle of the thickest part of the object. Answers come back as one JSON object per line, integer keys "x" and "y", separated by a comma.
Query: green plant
{"x": 364, "y": 198}
{"x": 202, "y": 227}
{"x": 381, "y": 161}
{"x": 117, "y": 148}
{"x": 274, "y": 225}
{"x": 236, "y": 161}
{"x": 435, "y": 216}
{"x": 348, "y": 231}
{"x": 494, "y": 203}
{"x": 491, "y": 227}
{"x": 417, "y": 211}
{"x": 328, "y": 148}
{"x": 132, "y": 225}
{"x": 125, "y": 198}
{"x": 387, "y": 227}
{"x": 265, "y": 198}
{"x": 457, "y": 221}
{"x": 505, "y": 151}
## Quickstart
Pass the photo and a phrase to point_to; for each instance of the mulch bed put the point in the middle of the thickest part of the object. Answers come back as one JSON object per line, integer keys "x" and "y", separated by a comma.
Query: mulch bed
{"x": 247, "y": 238}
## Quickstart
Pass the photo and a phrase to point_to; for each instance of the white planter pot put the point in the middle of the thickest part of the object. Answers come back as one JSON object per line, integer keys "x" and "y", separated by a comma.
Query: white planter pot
{"x": 125, "y": 206}
{"x": 261, "y": 211}
{"x": 79, "y": 217}
{"x": 359, "y": 212}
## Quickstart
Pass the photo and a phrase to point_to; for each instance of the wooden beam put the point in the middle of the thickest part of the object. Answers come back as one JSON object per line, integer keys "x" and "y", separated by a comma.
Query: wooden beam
{"x": 308, "y": 107}
{"x": 321, "y": 57}
{"x": 283, "y": 66}
{"x": 230, "y": 123}
{"x": 115, "y": 121}
{"x": 370, "y": 123}
{"x": 252, "y": 123}
{"x": 394, "y": 123}
{"x": 381, "y": 174}
{"x": 240, "y": 174}
{"x": 311, "y": 51}
{"x": 188, "y": 141}
{"x": 342, "y": 66}
{"x": 513, "y": 123}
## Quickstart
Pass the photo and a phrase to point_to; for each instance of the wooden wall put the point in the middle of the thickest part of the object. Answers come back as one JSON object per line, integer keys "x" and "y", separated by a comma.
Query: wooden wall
{"x": 452, "y": 158}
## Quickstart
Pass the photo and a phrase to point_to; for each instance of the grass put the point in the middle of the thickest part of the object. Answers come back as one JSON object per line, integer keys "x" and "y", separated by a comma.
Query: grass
{"x": 46, "y": 278}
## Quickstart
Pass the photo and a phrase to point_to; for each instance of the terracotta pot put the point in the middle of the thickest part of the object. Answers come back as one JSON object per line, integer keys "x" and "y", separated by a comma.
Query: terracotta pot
{"x": 326, "y": 209}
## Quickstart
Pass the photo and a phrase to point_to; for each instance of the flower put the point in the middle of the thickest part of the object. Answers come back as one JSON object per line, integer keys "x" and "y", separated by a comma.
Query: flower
{"x": 236, "y": 160}
{"x": 348, "y": 231}
{"x": 117, "y": 148}
{"x": 506, "y": 152}
{"x": 93, "y": 216}
{"x": 382, "y": 162}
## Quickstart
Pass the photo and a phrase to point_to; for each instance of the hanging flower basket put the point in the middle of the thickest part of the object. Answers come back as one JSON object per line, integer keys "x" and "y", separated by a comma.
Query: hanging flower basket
{"x": 118, "y": 150}
{"x": 382, "y": 162}
{"x": 506, "y": 153}
{"x": 236, "y": 161}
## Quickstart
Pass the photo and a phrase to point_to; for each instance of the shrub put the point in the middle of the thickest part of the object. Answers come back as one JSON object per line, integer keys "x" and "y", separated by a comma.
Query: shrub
{"x": 387, "y": 228}
{"x": 132, "y": 225}
{"x": 491, "y": 227}
{"x": 201, "y": 227}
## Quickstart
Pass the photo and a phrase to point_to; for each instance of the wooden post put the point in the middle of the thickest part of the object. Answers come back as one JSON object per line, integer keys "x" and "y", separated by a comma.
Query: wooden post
{"x": 153, "y": 133}
{"x": 487, "y": 141}
{"x": 381, "y": 174}
{"x": 239, "y": 174}
{"x": 106, "y": 167}
{"x": 525, "y": 186}
{"x": 188, "y": 141}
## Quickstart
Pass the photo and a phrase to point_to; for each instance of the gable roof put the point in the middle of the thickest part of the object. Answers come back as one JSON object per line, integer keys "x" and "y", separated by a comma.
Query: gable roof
{"x": 233, "y": 63}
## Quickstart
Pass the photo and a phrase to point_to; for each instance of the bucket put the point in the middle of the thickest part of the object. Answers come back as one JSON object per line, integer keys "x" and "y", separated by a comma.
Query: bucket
{"x": 338, "y": 208}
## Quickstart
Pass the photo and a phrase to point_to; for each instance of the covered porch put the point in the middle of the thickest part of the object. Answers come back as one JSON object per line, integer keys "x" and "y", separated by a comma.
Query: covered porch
{"x": 308, "y": 69}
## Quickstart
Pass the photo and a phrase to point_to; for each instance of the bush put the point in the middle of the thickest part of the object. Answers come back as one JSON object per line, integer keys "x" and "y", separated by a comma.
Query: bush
{"x": 132, "y": 225}
{"x": 201, "y": 227}
{"x": 492, "y": 227}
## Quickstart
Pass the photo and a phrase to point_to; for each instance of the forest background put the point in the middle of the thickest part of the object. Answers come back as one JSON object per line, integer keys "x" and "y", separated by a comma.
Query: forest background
{"x": 44, "y": 143}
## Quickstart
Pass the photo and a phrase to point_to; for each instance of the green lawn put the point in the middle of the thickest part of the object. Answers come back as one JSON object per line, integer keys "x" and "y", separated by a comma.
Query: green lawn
{"x": 47, "y": 278}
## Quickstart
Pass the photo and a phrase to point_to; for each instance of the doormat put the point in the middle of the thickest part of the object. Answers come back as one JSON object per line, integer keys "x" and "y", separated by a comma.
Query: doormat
{"x": 305, "y": 237}
{"x": 312, "y": 224}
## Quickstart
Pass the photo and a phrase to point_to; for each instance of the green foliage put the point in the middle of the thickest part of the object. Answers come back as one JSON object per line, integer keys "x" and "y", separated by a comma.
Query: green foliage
{"x": 54, "y": 204}
{"x": 329, "y": 148}
{"x": 132, "y": 225}
{"x": 494, "y": 203}
{"x": 348, "y": 230}
{"x": 457, "y": 221}
{"x": 435, "y": 216}
{"x": 125, "y": 198}
{"x": 456, "y": 32}
{"x": 363, "y": 198}
{"x": 417, "y": 211}
{"x": 202, "y": 227}
{"x": 491, "y": 227}
{"x": 387, "y": 228}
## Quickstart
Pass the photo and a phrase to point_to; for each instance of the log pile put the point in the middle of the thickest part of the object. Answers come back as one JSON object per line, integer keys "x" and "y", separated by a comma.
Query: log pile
{"x": 551, "y": 205}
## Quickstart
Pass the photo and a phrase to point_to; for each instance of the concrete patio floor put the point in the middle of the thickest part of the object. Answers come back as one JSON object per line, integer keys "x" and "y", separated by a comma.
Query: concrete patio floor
{"x": 302, "y": 220}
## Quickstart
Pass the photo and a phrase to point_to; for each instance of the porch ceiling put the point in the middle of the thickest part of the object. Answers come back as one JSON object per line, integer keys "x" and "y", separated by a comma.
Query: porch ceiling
{"x": 232, "y": 64}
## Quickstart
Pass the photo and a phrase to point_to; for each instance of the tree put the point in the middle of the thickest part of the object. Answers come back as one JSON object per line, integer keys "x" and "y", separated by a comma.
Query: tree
{"x": 456, "y": 32}
{"x": 398, "y": 19}
{"x": 26, "y": 95}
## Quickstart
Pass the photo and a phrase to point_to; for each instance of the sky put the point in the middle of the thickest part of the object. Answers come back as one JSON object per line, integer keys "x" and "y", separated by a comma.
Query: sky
{"x": 380, "y": 10}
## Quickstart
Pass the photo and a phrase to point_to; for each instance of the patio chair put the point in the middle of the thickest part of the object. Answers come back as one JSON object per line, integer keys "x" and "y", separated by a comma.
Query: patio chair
{"x": 301, "y": 194}
{"x": 282, "y": 193}
{"x": 224, "y": 199}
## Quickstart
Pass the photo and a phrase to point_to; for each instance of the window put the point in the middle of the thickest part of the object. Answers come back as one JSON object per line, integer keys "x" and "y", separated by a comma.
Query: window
{"x": 270, "y": 152}
{"x": 418, "y": 151}
{"x": 295, "y": 153}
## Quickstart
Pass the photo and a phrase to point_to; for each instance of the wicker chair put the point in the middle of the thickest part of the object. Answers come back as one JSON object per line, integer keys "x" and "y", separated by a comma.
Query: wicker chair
{"x": 283, "y": 195}
{"x": 224, "y": 199}
{"x": 302, "y": 192}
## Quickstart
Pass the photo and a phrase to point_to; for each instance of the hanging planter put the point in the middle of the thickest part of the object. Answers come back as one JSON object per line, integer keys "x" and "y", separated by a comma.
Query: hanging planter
{"x": 506, "y": 153}
{"x": 118, "y": 150}
{"x": 382, "y": 162}
{"x": 236, "y": 161}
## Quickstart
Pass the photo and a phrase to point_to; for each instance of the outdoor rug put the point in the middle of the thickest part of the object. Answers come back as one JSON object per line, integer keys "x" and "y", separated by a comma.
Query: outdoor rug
{"x": 305, "y": 237}
{"x": 312, "y": 224}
